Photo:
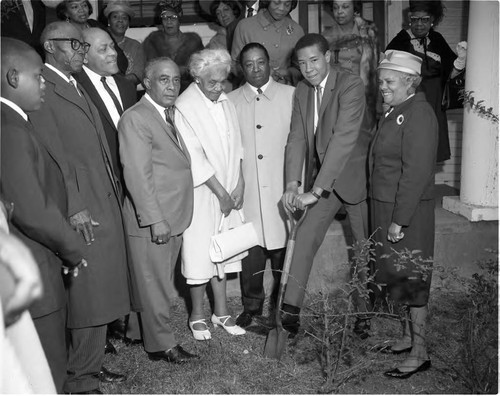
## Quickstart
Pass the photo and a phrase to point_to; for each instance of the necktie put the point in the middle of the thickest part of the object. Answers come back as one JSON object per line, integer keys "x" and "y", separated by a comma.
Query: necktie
{"x": 318, "y": 99}
{"x": 113, "y": 96}
{"x": 72, "y": 81}
{"x": 28, "y": 10}
{"x": 249, "y": 12}
{"x": 169, "y": 115}
{"x": 259, "y": 91}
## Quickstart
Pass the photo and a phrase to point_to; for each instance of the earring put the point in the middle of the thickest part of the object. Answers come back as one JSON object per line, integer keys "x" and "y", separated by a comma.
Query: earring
{"x": 409, "y": 24}
{"x": 432, "y": 24}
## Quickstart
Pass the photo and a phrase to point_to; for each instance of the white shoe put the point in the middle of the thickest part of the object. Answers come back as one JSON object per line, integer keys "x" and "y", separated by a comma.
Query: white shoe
{"x": 221, "y": 321}
{"x": 200, "y": 335}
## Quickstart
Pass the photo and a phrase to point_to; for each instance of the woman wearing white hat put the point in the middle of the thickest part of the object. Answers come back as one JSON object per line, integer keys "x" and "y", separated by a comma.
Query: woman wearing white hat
{"x": 402, "y": 160}
{"x": 119, "y": 14}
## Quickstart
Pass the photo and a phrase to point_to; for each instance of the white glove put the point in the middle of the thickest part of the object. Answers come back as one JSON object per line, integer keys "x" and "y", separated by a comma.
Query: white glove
{"x": 459, "y": 63}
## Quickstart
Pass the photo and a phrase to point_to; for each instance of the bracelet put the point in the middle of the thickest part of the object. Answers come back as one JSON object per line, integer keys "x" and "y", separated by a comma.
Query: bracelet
{"x": 315, "y": 195}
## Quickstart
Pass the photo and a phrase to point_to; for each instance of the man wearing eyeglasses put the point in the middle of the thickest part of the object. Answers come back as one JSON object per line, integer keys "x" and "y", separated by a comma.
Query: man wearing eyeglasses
{"x": 70, "y": 124}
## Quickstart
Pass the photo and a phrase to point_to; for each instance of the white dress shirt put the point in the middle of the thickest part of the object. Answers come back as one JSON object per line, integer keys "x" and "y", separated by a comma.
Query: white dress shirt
{"x": 316, "y": 110}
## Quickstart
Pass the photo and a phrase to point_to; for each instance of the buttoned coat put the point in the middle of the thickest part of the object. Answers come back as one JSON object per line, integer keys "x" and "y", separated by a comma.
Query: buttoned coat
{"x": 31, "y": 179}
{"x": 71, "y": 125}
{"x": 341, "y": 140}
{"x": 157, "y": 171}
{"x": 265, "y": 124}
{"x": 128, "y": 97}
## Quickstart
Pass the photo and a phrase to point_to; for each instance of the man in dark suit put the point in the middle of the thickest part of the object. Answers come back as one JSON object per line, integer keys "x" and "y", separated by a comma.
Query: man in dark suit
{"x": 25, "y": 21}
{"x": 71, "y": 124}
{"x": 157, "y": 171}
{"x": 110, "y": 92}
{"x": 329, "y": 134}
{"x": 33, "y": 181}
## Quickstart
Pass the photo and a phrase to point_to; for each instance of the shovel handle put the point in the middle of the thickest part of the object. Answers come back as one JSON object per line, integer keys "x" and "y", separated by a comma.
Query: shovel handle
{"x": 288, "y": 261}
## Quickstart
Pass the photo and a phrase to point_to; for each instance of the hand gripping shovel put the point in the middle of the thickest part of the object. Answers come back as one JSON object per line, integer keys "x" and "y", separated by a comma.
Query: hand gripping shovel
{"x": 277, "y": 337}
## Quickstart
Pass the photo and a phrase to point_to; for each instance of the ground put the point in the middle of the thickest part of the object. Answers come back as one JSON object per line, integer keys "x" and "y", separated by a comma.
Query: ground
{"x": 231, "y": 364}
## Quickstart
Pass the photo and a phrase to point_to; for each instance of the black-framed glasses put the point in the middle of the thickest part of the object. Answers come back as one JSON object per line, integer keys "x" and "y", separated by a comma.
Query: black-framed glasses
{"x": 173, "y": 17}
{"x": 424, "y": 20}
{"x": 75, "y": 44}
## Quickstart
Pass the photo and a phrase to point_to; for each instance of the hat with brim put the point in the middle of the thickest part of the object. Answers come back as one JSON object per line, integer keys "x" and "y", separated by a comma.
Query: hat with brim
{"x": 401, "y": 61}
{"x": 118, "y": 5}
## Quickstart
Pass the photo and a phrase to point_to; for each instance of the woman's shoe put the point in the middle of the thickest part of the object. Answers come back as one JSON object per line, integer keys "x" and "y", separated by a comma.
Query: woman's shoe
{"x": 396, "y": 373}
{"x": 221, "y": 321}
{"x": 200, "y": 335}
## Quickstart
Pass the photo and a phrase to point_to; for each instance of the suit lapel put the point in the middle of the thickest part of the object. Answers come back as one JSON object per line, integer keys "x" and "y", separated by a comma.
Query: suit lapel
{"x": 328, "y": 93}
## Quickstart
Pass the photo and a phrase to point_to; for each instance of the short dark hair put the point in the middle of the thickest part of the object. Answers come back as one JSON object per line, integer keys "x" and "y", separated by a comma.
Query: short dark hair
{"x": 312, "y": 39}
{"x": 265, "y": 3}
{"x": 356, "y": 4}
{"x": 230, "y": 3}
{"x": 251, "y": 46}
{"x": 433, "y": 7}
{"x": 62, "y": 8}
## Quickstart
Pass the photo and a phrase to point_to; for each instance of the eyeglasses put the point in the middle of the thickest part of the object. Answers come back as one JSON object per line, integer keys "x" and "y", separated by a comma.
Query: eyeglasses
{"x": 169, "y": 17}
{"x": 424, "y": 20}
{"x": 75, "y": 44}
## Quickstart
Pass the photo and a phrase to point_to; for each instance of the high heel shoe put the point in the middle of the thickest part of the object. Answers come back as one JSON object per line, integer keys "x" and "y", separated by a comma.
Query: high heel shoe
{"x": 200, "y": 335}
{"x": 221, "y": 321}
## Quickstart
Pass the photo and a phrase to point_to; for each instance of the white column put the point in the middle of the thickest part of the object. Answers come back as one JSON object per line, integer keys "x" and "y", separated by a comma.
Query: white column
{"x": 479, "y": 176}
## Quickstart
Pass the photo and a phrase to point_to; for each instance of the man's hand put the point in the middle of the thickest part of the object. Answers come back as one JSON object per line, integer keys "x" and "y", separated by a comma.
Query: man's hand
{"x": 18, "y": 260}
{"x": 160, "y": 232}
{"x": 292, "y": 190}
{"x": 303, "y": 200}
{"x": 74, "y": 271}
{"x": 82, "y": 222}
{"x": 394, "y": 233}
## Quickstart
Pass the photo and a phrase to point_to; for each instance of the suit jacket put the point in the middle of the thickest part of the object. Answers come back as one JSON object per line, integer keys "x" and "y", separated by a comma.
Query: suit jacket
{"x": 129, "y": 98}
{"x": 14, "y": 25}
{"x": 71, "y": 123}
{"x": 157, "y": 171}
{"x": 341, "y": 140}
{"x": 32, "y": 180}
{"x": 403, "y": 157}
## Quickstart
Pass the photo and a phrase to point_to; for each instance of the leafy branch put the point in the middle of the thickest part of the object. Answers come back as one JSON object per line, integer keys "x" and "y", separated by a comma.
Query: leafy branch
{"x": 478, "y": 106}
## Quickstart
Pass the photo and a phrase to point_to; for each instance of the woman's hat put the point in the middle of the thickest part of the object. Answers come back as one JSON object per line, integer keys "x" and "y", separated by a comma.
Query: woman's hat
{"x": 118, "y": 5}
{"x": 401, "y": 61}
{"x": 174, "y": 6}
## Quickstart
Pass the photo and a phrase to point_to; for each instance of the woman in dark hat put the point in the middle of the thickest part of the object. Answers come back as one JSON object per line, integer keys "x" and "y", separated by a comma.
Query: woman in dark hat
{"x": 170, "y": 41}
{"x": 439, "y": 60}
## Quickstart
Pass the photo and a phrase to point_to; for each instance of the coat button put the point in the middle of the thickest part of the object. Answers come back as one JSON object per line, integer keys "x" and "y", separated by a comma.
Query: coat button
{"x": 258, "y": 99}
{"x": 259, "y": 126}
{"x": 260, "y": 156}
{"x": 109, "y": 195}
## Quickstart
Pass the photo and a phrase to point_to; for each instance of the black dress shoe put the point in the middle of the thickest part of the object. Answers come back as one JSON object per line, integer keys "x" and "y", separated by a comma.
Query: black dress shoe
{"x": 244, "y": 319}
{"x": 396, "y": 373}
{"x": 107, "y": 376}
{"x": 129, "y": 341}
{"x": 174, "y": 355}
{"x": 110, "y": 348}
{"x": 290, "y": 319}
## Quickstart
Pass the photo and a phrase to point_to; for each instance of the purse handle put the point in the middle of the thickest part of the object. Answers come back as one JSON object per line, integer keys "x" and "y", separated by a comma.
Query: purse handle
{"x": 242, "y": 217}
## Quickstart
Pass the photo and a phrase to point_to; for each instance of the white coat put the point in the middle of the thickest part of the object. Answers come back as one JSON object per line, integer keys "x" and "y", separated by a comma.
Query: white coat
{"x": 204, "y": 143}
{"x": 265, "y": 123}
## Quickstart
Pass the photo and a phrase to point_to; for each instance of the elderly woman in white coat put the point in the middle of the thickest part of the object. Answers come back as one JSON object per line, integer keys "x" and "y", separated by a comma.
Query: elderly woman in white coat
{"x": 207, "y": 122}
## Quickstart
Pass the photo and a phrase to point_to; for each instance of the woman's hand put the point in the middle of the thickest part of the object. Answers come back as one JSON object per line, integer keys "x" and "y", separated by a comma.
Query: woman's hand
{"x": 237, "y": 194}
{"x": 394, "y": 233}
{"x": 226, "y": 204}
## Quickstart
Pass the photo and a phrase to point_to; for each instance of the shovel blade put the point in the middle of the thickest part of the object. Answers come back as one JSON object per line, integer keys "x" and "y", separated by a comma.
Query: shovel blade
{"x": 275, "y": 343}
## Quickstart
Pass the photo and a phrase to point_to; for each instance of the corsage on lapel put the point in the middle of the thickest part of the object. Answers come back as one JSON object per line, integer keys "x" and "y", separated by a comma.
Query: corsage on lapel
{"x": 289, "y": 30}
{"x": 400, "y": 119}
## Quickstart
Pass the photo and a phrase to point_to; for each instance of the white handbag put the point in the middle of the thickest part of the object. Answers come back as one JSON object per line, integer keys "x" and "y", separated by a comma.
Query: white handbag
{"x": 232, "y": 245}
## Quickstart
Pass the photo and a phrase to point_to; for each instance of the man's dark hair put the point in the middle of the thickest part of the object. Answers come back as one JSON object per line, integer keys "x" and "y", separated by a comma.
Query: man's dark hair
{"x": 251, "y": 46}
{"x": 312, "y": 39}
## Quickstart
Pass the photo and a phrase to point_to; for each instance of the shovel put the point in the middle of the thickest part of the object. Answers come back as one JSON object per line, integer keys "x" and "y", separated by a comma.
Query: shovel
{"x": 277, "y": 337}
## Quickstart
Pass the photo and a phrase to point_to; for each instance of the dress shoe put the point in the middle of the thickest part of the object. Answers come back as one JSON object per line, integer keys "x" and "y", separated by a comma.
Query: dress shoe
{"x": 107, "y": 376}
{"x": 245, "y": 318}
{"x": 110, "y": 348}
{"x": 129, "y": 341}
{"x": 96, "y": 391}
{"x": 391, "y": 351}
{"x": 174, "y": 355}
{"x": 290, "y": 319}
{"x": 200, "y": 334}
{"x": 361, "y": 328}
{"x": 222, "y": 320}
{"x": 396, "y": 373}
